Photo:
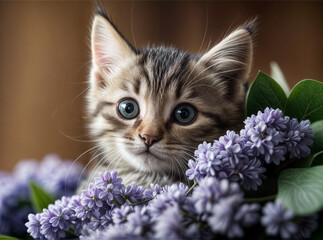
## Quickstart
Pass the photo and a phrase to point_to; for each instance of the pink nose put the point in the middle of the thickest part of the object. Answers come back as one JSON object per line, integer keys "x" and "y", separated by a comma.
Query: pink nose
{"x": 148, "y": 139}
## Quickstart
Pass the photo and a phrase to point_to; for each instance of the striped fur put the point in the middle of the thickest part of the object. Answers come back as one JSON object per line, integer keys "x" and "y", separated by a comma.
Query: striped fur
{"x": 160, "y": 78}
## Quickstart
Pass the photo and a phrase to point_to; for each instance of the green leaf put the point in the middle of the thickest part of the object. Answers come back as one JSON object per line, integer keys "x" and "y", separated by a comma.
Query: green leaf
{"x": 317, "y": 128}
{"x": 4, "y": 237}
{"x": 306, "y": 101}
{"x": 264, "y": 92}
{"x": 317, "y": 159}
{"x": 314, "y": 160}
{"x": 301, "y": 189}
{"x": 277, "y": 74}
{"x": 40, "y": 199}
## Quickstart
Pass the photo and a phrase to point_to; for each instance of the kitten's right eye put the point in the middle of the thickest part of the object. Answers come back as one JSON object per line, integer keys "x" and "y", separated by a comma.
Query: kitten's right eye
{"x": 185, "y": 114}
{"x": 128, "y": 108}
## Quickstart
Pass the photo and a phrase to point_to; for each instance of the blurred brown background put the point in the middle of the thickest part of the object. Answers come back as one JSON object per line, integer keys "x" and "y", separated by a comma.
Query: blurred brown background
{"x": 44, "y": 57}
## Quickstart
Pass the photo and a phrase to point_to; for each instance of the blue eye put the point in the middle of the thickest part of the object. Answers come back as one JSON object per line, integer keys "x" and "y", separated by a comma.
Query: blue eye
{"x": 128, "y": 108}
{"x": 185, "y": 114}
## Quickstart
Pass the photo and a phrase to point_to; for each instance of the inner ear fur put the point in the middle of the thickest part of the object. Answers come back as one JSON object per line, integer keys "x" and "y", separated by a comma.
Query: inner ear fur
{"x": 109, "y": 47}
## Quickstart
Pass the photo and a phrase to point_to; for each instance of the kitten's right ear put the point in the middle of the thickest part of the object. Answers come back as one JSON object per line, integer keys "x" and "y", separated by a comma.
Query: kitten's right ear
{"x": 231, "y": 59}
{"x": 109, "y": 47}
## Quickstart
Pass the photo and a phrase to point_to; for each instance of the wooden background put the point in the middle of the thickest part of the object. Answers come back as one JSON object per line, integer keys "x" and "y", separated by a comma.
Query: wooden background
{"x": 44, "y": 57}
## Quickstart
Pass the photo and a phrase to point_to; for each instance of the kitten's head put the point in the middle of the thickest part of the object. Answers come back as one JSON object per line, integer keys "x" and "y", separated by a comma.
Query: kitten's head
{"x": 151, "y": 108}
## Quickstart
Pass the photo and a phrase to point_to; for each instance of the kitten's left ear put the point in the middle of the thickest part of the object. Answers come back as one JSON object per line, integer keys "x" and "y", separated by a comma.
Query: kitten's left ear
{"x": 109, "y": 47}
{"x": 231, "y": 59}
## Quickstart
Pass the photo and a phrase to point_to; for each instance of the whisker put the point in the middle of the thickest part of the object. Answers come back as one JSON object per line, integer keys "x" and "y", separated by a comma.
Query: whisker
{"x": 206, "y": 27}
{"x": 102, "y": 162}
{"x": 70, "y": 167}
{"x": 88, "y": 163}
{"x": 78, "y": 140}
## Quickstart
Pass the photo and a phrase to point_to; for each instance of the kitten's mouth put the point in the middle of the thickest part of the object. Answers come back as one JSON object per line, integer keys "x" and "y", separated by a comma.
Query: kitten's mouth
{"x": 150, "y": 156}
{"x": 148, "y": 153}
{"x": 147, "y": 159}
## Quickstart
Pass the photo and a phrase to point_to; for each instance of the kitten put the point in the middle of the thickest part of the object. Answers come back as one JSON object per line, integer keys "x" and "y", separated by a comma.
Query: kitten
{"x": 151, "y": 108}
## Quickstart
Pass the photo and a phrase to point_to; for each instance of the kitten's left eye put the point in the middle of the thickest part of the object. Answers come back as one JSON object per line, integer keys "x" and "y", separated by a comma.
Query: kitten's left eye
{"x": 185, "y": 113}
{"x": 128, "y": 108}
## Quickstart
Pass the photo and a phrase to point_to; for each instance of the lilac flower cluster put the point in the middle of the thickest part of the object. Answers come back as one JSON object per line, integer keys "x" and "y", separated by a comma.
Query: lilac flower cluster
{"x": 279, "y": 221}
{"x": 59, "y": 177}
{"x": 53, "y": 174}
{"x": 93, "y": 208}
{"x": 220, "y": 204}
{"x": 12, "y": 213}
{"x": 107, "y": 209}
{"x": 266, "y": 138}
{"x": 215, "y": 207}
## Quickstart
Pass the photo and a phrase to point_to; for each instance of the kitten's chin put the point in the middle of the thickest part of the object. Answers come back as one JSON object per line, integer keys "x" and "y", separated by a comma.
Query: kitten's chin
{"x": 146, "y": 161}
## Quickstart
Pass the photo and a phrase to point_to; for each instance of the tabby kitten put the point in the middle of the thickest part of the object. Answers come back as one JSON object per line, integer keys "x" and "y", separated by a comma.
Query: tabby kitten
{"x": 151, "y": 108}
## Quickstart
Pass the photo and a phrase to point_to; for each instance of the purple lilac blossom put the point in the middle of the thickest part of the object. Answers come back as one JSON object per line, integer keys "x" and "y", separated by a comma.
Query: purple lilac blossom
{"x": 91, "y": 198}
{"x": 138, "y": 221}
{"x": 80, "y": 216}
{"x": 54, "y": 222}
{"x": 248, "y": 214}
{"x": 100, "y": 221}
{"x": 219, "y": 203}
{"x": 176, "y": 191}
{"x": 170, "y": 195}
{"x": 111, "y": 186}
{"x": 152, "y": 192}
{"x": 278, "y": 220}
{"x": 249, "y": 172}
{"x": 222, "y": 214}
{"x": 80, "y": 211}
{"x": 134, "y": 193}
{"x": 119, "y": 215}
{"x": 114, "y": 232}
{"x": 26, "y": 170}
{"x": 193, "y": 171}
{"x": 13, "y": 214}
{"x": 204, "y": 156}
{"x": 170, "y": 225}
{"x": 33, "y": 225}
{"x": 210, "y": 190}
{"x": 55, "y": 175}
{"x": 229, "y": 148}
{"x": 298, "y": 138}
{"x": 271, "y": 117}
{"x": 306, "y": 226}
{"x": 265, "y": 139}
{"x": 59, "y": 182}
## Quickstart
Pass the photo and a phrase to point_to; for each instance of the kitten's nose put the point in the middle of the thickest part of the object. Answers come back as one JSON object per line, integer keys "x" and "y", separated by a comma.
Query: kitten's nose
{"x": 148, "y": 139}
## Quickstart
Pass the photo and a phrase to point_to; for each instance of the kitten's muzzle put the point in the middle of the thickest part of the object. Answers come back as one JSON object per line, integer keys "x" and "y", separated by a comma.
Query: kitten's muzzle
{"x": 149, "y": 140}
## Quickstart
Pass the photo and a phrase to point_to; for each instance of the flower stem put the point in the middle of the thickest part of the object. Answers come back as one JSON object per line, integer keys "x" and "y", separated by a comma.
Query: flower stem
{"x": 116, "y": 202}
{"x": 261, "y": 199}
{"x": 142, "y": 202}
{"x": 71, "y": 233}
{"x": 191, "y": 188}
{"x": 186, "y": 214}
